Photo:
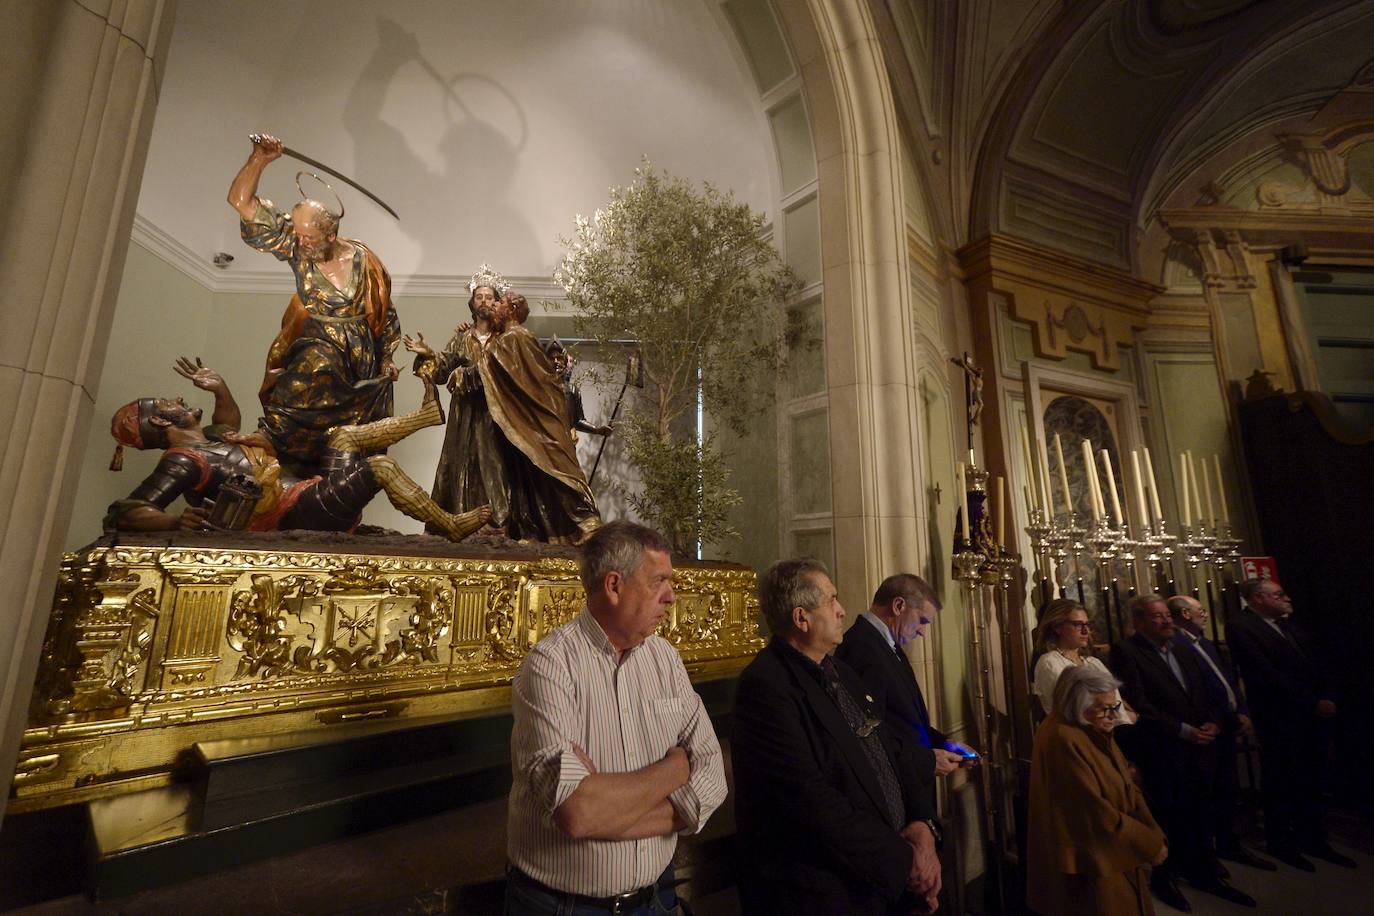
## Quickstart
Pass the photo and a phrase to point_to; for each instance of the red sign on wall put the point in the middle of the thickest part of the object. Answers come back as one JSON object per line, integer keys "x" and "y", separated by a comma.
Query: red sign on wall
{"x": 1260, "y": 568}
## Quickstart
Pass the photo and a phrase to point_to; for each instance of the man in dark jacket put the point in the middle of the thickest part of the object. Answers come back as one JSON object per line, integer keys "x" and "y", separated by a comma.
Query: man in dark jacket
{"x": 1292, "y": 707}
{"x": 831, "y": 817}
{"x": 1172, "y": 744}
{"x": 903, "y": 607}
{"x": 1223, "y": 795}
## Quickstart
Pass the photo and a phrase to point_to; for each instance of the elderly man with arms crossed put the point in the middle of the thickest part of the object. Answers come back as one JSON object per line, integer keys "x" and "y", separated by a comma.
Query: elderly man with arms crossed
{"x": 833, "y": 815}
{"x": 612, "y": 752}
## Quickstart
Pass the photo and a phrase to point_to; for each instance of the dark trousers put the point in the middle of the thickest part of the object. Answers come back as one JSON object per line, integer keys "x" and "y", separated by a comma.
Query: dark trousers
{"x": 1292, "y": 764}
{"x": 1224, "y": 794}
{"x": 1176, "y": 788}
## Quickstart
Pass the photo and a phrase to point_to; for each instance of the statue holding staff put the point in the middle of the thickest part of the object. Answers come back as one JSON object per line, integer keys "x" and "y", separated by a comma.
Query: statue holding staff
{"x": 331, "y": 364}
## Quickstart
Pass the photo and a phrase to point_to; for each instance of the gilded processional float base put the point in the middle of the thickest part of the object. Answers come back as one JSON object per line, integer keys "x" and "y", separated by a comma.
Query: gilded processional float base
{"x": 158, "y": 643}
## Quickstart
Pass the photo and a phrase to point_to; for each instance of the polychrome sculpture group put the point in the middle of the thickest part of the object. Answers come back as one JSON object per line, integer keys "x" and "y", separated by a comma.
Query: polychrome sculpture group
{"x": 317, "y": 456}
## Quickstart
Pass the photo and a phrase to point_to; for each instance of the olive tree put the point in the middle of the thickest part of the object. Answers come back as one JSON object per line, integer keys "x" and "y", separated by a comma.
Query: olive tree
{"x": 689, "y": 274}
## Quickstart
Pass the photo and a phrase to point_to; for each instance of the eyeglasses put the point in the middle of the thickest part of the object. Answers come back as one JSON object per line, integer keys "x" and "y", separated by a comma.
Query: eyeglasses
{"x": 1081, "y": 626}
{"x": 1100, "y": 711}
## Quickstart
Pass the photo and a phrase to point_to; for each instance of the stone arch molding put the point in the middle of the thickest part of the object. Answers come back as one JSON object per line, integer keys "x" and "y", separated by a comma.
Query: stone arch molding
{"x": 871, "y": 376}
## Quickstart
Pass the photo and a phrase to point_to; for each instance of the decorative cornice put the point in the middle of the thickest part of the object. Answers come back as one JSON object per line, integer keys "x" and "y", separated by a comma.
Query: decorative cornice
{"x": 1343, "y": 231}
{"x": 1005, "y": 256}
{"x": 1073, "y": 303}
{"x": 151, "y": 237}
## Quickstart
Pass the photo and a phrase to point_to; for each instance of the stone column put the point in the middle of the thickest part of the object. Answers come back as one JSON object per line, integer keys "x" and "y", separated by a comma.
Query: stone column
{"x": 875, "y": 445}
{"x": 78, "y": 88}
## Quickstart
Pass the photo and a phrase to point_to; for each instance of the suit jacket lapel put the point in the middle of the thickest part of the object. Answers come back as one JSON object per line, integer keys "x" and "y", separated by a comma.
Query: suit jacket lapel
{"x": 1277, "y": 641}
{"x": 830, "y": 717}
{"x": 905, "y": 676}
{"x": 1158, "y": 660}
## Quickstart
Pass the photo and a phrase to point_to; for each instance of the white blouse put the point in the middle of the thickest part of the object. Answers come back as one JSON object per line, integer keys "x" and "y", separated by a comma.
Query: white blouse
{"x": 1047, "y": 671}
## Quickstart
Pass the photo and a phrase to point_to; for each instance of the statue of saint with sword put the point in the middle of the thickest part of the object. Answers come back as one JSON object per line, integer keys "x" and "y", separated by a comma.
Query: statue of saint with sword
{"x": 331, "y": 363}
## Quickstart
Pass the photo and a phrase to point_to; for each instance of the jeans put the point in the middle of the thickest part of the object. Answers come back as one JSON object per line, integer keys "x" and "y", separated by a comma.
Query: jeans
{"x": 524, "y": 900}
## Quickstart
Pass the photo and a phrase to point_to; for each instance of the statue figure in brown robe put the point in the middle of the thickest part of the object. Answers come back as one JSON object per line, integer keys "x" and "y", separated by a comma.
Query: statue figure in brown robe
{"x": 509, "y": 442}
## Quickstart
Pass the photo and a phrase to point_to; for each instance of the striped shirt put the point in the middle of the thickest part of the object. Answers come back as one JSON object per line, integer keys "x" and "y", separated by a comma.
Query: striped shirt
{"x": 574, "y": 687}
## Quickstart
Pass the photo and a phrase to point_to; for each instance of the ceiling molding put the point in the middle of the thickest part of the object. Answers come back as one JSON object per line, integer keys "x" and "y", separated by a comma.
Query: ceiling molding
{"x": 151, "y": 237}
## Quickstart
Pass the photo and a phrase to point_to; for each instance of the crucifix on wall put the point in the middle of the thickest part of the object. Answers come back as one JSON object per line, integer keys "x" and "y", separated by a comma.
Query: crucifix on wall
{"x": 973, "y": 392}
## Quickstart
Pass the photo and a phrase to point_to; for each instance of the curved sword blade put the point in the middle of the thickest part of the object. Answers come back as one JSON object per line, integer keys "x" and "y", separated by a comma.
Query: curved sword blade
{"x": 295, "y": 154}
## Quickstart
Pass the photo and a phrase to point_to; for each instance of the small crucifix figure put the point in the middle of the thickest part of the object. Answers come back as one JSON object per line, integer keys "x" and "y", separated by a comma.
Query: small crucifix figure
{"x": 973, "y": 391}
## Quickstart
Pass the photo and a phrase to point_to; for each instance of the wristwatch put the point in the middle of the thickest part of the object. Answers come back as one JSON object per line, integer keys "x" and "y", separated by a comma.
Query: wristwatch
{"x": 935, "y": 832}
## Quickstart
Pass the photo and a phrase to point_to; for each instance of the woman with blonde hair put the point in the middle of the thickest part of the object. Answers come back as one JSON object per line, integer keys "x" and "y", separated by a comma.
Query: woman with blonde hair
{"x": 1090, "y": 833}
{"x": 1063, "y": 637}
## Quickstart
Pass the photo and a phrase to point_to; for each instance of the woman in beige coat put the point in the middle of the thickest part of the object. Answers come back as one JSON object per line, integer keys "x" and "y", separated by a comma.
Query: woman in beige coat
{"x": 1090, "y": 834}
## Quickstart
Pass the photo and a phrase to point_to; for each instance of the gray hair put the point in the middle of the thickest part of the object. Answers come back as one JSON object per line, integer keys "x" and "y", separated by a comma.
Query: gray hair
{"x": 1074, "y": 692}
{"x": 907, "y": 586}
{"x": 616, "y": 547}
{"x": 789, "y": 584}
{"x": 1141, "y": 604}
{"x": 1177, "y": 605}
{"x": 1250, "y": 588}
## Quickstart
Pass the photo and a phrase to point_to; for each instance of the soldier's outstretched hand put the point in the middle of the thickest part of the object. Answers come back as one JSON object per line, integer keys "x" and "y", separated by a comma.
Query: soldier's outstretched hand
{"x": 199, "y": 374}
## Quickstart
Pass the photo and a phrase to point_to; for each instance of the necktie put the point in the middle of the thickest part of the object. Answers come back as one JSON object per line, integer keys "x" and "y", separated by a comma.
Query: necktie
{"x": 922, "y": 724}
{"x": 865, "y": 729}
{"x": 1221, "y": 678}
{"x": 1173, "y": 664}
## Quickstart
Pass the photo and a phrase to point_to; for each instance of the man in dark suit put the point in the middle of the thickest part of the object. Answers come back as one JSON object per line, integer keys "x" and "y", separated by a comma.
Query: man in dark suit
{"x": 831, "y": 817}
{"x": 903, "y": 607}
{"x": 1172, "y": 744}
{"x": 1292, "y": 708}
{"x": 1223, "y": 795}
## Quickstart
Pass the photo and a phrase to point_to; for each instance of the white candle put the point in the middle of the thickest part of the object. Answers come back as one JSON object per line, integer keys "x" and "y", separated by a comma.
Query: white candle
{"x": 1207, "y": 496}
{"x": 1001, "y": 509}
{"x": 1183, "y": 489}
{"x": 971, "y": 462}
{"x": 1158, "y": 514}
{"x": 1032, "y": 477}
{"x": 1196, "y": 494}
{"x": 1025, "y": 491}
{"x": 1142, "y": 515}
{"x": 1063, "y": 474}
{"x": 1090, "y": 470}
{"x": 1111, "y": 487}
{"x": 1044, "y": 459}
{"x": 1221, "y": 492}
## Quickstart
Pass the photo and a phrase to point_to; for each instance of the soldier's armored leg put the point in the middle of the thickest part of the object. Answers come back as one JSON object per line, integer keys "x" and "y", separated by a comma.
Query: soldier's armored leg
{"x": 377, "y": 435}
{"x": 406, "y": 495}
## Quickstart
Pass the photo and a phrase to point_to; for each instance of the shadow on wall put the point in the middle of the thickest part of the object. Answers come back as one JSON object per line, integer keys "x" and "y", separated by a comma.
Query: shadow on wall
{"x": 466, "y": 203}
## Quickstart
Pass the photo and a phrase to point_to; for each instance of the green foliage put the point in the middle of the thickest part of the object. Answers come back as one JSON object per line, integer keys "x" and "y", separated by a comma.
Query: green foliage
{"x": 687, "y": 273}
{"x": 686, "y": 494}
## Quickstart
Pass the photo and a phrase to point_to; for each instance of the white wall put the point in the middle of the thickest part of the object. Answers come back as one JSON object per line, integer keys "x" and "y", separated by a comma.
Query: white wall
{"x": 487, "y": 125}
{"x": 556, "y": 102}
{"x": 161, "y": 314}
